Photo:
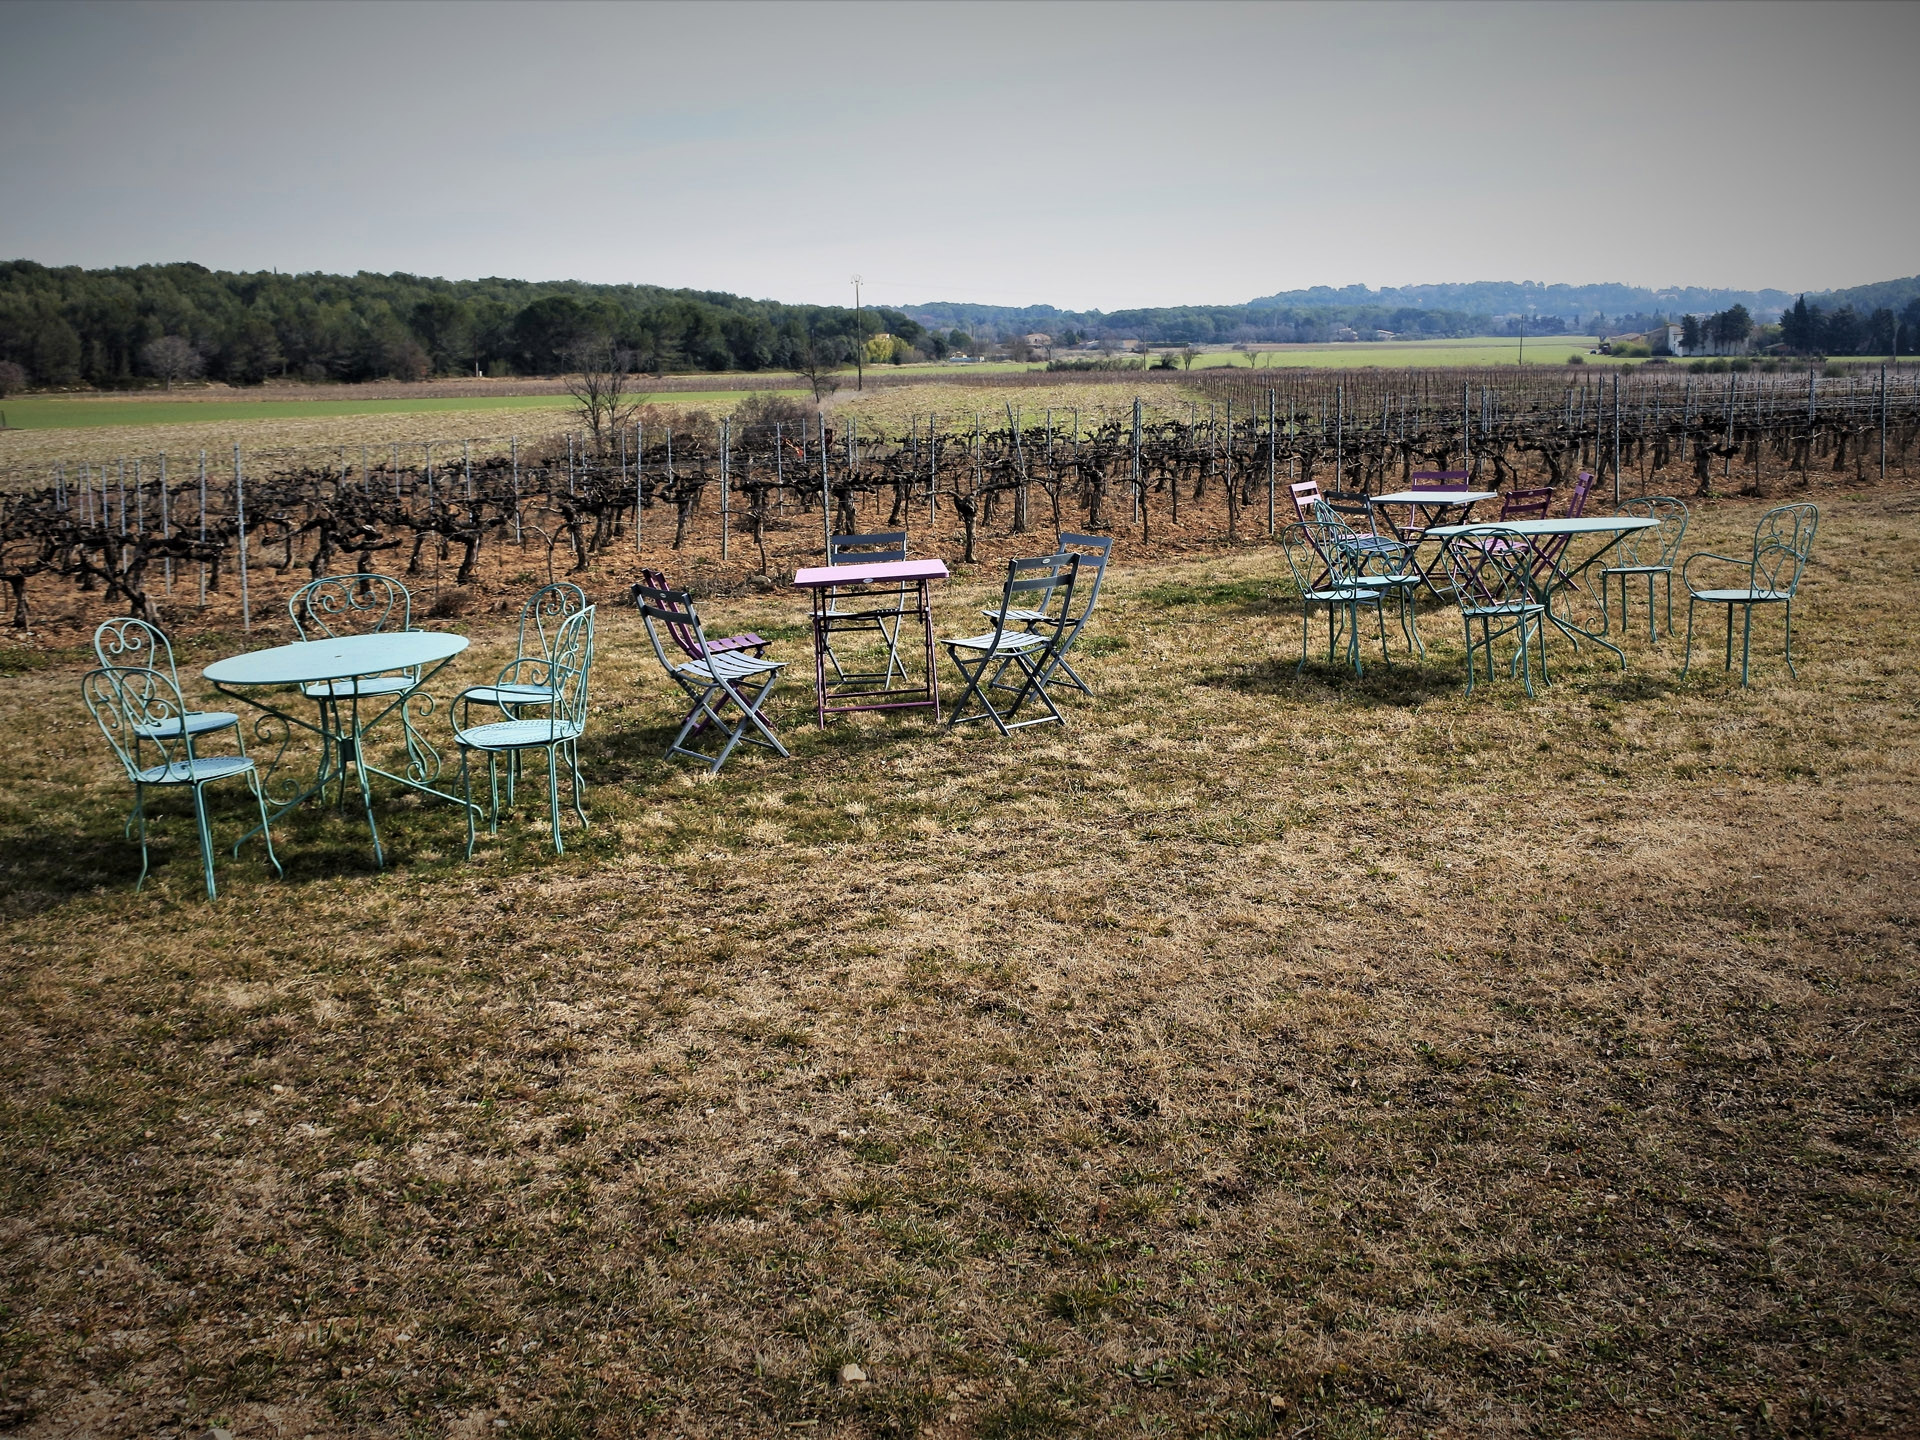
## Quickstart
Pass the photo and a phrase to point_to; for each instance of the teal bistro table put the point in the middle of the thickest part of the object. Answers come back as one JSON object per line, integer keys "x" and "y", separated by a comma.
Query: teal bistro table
{"x": 352, "y": 683}
{"x": 1551, "y": 578}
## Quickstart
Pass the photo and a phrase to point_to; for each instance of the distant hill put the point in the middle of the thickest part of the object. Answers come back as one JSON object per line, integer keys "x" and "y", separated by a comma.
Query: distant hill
{"x": 1418, "y": 310}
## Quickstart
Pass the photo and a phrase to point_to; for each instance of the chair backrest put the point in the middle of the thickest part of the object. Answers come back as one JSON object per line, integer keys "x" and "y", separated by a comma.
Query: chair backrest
{"x": 1039, "y": 582}
{"x": 338, "y": 605}
{"x": 1305, "y": 492}
{"x": 1527, "y": 504}
{"x": 1093, "y": 551}
{"x": 1328, "y": 527}
{"x": 546, "y": 611}
{"x": 1583, "y": 487}
{"x": 1351, "y": 503}
{"x": 663, "y": 608}
{"x": 1659, "y": 545}
{"x": 1782, "y": 544}
{"x": 137, "y": 706}
{"x": 1312, "y": 545}
{"x": 883, "y": 547}
{"x": 1439, "y": 479}
{"x": 127, "y": 643}
{"x": 1483, "y": 571}
{"x": 568, "y": 666}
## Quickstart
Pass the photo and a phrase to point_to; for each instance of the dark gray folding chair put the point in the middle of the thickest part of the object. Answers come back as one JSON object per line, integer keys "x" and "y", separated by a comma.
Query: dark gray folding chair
{"x": 1048, "y": 580}
{"x": 1093, "y": 551}
{"x": 712, "y": 679}
{"x": 866, "y": 607}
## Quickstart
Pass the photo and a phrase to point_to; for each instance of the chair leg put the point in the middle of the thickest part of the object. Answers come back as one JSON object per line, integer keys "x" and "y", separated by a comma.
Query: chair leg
{"x": 1746, "y": 641}
{"x": 206, "y": 836}
{"x": 1669, "y": 579}
{"x": 138, "y": 819}
{"x": 493, "y": 787}
{"x": 466, "y": 792}
{"x": 579, "y": 786}
{"x": 1729, "y": 659}
{"x": 1306, "y": 623}
{"x": 553, "y": 797}
{"x": 1467, "y": 625}
{"x": 1790, "y": 670}
{"x": 1687, "y": 659}
{"x": 266, "y": 833}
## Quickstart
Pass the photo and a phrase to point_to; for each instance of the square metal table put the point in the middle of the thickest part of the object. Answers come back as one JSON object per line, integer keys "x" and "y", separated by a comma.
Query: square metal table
{"x": 825, "y": 583}
{"x": 1426, "y": 509}
{"x": 339, "y": 664}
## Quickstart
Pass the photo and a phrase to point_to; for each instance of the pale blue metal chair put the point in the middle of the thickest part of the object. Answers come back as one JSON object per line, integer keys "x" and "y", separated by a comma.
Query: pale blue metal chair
{"x": 365, "y": 604}
{"x": 1043, "y": 584}
{"x": 1647, "y": 554}
{"x": 1093, "y": 551}
{"x": 127, "y": 643}
{"x": 526, "y": 681}
{"x": 568, "y": 667}
{"x": 1782, "y": 545}
{"x": 1327, "y": 573}
{"x": 865, "y": 607}
{"x": 1491, "y": 571}
{"x": 1381, "y": 562}
{"x": 144, "y": 719}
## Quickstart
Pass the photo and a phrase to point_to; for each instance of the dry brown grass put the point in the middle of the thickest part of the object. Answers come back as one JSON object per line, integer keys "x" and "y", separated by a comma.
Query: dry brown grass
{"x": 1436, "y": 1066}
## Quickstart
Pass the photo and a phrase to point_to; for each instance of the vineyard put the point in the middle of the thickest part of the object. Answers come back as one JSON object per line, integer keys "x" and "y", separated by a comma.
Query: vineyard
{"x": 749, "y": 497}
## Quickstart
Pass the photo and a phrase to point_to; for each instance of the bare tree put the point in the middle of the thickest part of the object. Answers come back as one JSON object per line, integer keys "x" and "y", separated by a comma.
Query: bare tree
{"x": 600, "y": 380}
{"x": 1188, "y": 356}
{"x": 12, "y": 378}
{"x": 171, "y": 358}
{"x": 815, "y": 362}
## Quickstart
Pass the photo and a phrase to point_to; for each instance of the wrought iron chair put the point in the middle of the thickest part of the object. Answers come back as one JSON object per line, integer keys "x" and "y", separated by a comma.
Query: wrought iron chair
{"x": 526, "y": 680}
{"x": 1377, "y": 562}
{"x": 1093, "y": 551}
{"x": 1782, "y": 543}
{"x": 1312, "y": 551}
{"x": 568, "y": 667}
{"x": 865, "y": 607}
{"x": 682, "y": 631}
{"x": 1646, "y": 552}
{"x": 141, "y": 713}
{"x": 1493, "y": 584}
{"x": 127, "y": 643}
{"x": 713, "y": 680}
{"x": 1042, "y": 585}
{"x": 366, "y": 604}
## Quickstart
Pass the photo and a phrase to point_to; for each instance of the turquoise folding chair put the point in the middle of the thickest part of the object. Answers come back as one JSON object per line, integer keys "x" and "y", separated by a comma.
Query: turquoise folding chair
{"x": 1782, "y": 544}
{"x": 557, "y": 732}
{"x": 141, "y": 713}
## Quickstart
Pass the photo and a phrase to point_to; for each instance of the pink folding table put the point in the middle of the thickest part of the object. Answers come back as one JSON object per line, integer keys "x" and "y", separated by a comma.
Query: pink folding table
{"x": 825, "y": 583}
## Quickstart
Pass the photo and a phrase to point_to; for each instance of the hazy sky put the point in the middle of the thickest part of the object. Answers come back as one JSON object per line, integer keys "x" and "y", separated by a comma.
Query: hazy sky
{"x": 1089, "y": 154}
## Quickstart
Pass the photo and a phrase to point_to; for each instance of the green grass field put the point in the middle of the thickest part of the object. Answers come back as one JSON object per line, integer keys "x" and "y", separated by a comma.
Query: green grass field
{"x": 1394, "y": 354}
{"x": 78, "y": 414}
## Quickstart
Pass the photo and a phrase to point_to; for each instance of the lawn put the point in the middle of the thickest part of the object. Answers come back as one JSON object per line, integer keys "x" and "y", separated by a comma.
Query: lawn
{"x": 1437, "y": 354}
{"x": 44, "y": 413}
{"x": 1256, "y": 1055}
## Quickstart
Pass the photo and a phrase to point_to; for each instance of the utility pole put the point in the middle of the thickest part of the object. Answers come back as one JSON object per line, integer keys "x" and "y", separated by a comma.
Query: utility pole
{"x": 859, "y": 341}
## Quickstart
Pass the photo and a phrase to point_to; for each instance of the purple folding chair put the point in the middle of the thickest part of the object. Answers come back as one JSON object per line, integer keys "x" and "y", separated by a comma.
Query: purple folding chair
{"x": 1548, "y": 550}
{"x": 682, "y": 630}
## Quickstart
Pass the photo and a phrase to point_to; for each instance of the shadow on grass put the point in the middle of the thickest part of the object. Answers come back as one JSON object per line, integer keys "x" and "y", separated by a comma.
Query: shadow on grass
{"x": 1397, "y": 685}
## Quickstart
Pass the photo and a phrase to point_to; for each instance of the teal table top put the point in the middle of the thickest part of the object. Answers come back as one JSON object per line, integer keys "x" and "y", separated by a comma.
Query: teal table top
{"x": 1584, "y": 525}
{"x": 342, "y": 659}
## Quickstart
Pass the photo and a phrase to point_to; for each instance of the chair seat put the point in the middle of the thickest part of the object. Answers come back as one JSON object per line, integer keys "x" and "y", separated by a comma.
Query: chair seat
{"x": 517, "y": 734}
{"x": 1742, "y": 596}
{"x": 195, "y": 722}
{"x": 730, "y": 666}
{"x": 1011, "y": 642}
{"x": 204, "y": 768}
{"x": 510, "y": 694}
{"x": 1361, "y": 594}
{"x": 1021, "y": 617}
{"x": 349, "y": 689}
{"x": 1638, "y": 570}
{"x": 1513, "y": 608}
{"x": 746, "y": 641}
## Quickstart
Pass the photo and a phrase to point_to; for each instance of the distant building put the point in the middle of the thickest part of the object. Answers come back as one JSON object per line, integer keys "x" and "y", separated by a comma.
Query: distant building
{"x": 1345, "y": 332}
{"x": 1664, "y": 340}
{"x": 1038, "y": 341}
{"x": 1383, "y": 334}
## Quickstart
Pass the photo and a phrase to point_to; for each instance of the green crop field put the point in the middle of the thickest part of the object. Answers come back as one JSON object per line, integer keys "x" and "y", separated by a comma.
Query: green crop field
{"x": 62, "y": 413}
{"x": 1472, "y": 351}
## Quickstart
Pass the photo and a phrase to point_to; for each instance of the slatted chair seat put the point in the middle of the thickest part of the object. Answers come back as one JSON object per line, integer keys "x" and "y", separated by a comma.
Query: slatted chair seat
{"x": 1747, "y": 595}
{"x": 194, "y": 722}
{"x": 519, "y": 734}
{"x": 202, "y": 767}
{"x": 996, "y": 642}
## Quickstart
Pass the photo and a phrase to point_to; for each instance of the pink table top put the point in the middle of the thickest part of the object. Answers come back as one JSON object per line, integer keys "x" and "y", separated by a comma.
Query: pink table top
{"x": 819, "y": 576}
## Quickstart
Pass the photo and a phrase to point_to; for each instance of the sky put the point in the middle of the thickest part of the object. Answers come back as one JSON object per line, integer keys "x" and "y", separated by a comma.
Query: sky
{"x": 1086, "y": 155}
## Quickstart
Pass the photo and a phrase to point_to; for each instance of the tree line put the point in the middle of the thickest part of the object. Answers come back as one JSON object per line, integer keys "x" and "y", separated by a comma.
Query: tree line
{"x": 66, "y": 325}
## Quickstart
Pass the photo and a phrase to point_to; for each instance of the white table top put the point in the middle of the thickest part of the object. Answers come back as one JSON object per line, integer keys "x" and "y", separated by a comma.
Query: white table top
{"x": 342, "y": 659}
{"x": 1584, "y": 525}
{"x": 895, "y": 571}
{"x": 1431, "y": 497}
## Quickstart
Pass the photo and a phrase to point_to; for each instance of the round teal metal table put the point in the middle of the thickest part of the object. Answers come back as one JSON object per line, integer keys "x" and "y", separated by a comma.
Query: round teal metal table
{"x": 355, "y": 682}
